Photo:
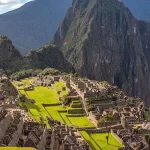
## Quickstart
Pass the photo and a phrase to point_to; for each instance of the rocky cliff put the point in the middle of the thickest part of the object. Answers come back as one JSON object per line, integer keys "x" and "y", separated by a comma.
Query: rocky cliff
{"x": 103, "y": 41}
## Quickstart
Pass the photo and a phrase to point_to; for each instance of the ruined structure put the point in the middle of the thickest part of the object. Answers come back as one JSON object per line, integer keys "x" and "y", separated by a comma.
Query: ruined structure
{"x": 8, "y": 92}
{"x": 66, "y": 138}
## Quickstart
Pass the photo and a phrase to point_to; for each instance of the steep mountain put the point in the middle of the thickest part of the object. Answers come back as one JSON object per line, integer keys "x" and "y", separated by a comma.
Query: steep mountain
{"x": 34, "y": 24}
{"x": 47, "y": 57}
{"x": 103, "y": 41}
{"x": 140, "y": 8}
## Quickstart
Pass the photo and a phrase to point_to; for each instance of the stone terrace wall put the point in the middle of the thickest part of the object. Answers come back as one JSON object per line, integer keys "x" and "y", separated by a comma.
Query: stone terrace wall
{"x": 117, "y": 137}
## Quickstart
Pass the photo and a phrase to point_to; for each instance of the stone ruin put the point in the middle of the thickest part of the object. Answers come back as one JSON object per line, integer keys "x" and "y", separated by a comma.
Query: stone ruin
{"x": 131, "y": 138}
{"x": 17, "y": 131}
{"x": 65, "y": 138}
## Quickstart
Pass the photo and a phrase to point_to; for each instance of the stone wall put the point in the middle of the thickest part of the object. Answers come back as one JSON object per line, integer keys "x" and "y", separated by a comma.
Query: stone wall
{"x": 42, "y": 143}
{"x": 117, "y": 137}
{"x": 8, "y": 106}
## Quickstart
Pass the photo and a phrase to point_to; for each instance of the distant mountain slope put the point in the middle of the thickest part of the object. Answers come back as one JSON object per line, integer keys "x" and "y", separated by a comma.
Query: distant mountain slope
{"x": 48, "y": 56}
{"x": 10, "y": 58}
{"x": 103, "y": 41}
{"x": 34, "y": 24}
{"x": 140, "y": 8}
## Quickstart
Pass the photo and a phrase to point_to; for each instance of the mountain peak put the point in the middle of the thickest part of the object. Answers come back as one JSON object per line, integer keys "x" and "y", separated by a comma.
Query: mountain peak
{"x": 103, "y": 41}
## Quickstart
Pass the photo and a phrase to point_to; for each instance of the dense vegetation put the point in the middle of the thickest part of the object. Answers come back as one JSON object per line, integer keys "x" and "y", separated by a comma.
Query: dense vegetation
{"x": 31, "y": 72}
{"x": 23, "y": 74}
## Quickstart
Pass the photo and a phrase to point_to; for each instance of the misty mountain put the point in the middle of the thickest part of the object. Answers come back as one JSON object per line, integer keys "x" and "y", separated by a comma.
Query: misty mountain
{"x": 34, "y": 24}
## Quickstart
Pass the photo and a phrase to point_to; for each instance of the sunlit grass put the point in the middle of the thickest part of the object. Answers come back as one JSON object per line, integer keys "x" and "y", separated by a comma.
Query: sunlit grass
{"x": 97, "y": 141}
{"x": 80, "y": 121}
{"x": 49, "y": 95}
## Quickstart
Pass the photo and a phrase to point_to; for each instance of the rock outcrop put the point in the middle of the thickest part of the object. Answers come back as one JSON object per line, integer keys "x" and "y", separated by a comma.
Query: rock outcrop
{"x": 10, "y": 58}
{"x": 103, "y": 41}
{"x": 7, "y": 89}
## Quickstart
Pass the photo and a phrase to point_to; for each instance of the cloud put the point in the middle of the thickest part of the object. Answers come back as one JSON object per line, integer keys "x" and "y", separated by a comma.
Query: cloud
{"x": 3, "y": 2}
{"x": 16, "y": 6}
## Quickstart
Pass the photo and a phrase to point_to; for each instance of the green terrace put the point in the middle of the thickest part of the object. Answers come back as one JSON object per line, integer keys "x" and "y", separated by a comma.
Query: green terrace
{"x": 97, "y": 141}
{"x": 48, "y": 104}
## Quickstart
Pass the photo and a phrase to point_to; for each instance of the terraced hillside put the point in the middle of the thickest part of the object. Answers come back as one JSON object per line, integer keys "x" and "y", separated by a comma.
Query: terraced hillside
{"x": 47, "y": 104}
{"x": 96, "y": 109}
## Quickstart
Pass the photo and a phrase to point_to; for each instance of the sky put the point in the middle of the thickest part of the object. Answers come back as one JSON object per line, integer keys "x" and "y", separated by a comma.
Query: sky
{"x": 8, "y": 5}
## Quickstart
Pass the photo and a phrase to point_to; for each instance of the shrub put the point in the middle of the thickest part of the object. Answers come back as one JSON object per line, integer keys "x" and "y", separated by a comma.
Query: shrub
{"x": 22, "y": 74}
{"x": 89, "y": 108}
{"x": 50, "y": 71}
{"x": 147, "y": 137}
{"x": 22, "y": 98}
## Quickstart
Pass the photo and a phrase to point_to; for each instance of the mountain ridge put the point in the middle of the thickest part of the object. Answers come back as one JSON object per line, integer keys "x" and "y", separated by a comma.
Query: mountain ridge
{"x": 104, "y": 41}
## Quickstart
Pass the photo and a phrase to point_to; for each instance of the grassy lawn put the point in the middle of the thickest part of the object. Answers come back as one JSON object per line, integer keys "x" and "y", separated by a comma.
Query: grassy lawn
{"x": 80, "y": 121}
{"x": 41, "y": 95}
{"x": 100, "y": 139}
{"x": 93, "y": 145}
{"x": 65, "y": 118}
{"x": 15, "y": 148}
{"x": 97, "y": 141}
{"x": 24, "y": 82}
{"x": 58, "y": 87}
{"x": 54, "y": 113}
